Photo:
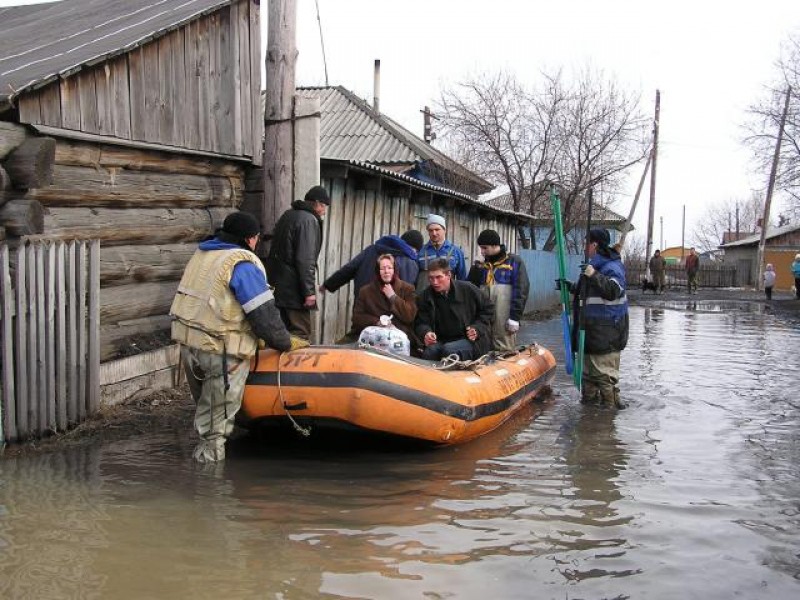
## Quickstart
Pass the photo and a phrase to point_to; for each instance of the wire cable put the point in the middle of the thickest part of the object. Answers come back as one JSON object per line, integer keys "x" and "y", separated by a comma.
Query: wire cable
{"x": 322, "y": 44}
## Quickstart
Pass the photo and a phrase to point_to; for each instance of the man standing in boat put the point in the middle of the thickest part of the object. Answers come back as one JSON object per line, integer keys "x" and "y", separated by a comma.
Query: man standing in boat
{"x": 222, "y": 308}
{"x": 605, "y": 320}
{"x": 453, "y": 317}
{"x": 438, "y": 246}
{"x": 504, "y": 277}
{"x": 292, "y": 260}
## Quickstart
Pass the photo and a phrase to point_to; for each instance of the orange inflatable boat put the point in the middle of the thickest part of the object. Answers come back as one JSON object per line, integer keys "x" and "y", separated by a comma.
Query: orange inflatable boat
{"x": 378, "y": 392}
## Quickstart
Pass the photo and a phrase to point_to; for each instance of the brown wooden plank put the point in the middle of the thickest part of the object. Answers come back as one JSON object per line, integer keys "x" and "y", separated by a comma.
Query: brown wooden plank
{"x": 329, "y": 260}
{"x": 21, "y": 345}
{"x": 152, "y": 90}
{"x": 93, "y": 329}
{"x": 118, "y": 188}
{"x": 50, "y": 396}
{"x": 166, "y": 79}
{"x": 228, "y": 122}
{"x": 255, "y": 84}
{"x": 179, "y": 99}
{"x": 120, "y": 98}
{"x": 242, "y": 28}
{"x": 191, "y": 115}
{"x": 61, "y": 337}
{"x": 32, "y": 401}
{"x": 105, "y": 100}
{"x": 8, "y": 407}
{"x": 214, "y": 84}
{"x": 87, "y": 91}
{"x": 136, "y": 89}
{"x": 72, "y": 328}
{"x": 30, "y": 109}
{"x": 126, "y": 302}
{"x": 143, "y": 263}
{"x": 70, "y": 104}
{"x": 50, "y": 105}
{"x": 203, "y": 84}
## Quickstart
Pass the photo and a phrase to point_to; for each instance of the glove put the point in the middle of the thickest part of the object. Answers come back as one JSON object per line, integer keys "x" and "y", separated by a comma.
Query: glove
{"x": 512, "y": 326}
{"x": 588, "y": 270}
{"x": 570, "y": 287}
{"x": 298, "y": 343}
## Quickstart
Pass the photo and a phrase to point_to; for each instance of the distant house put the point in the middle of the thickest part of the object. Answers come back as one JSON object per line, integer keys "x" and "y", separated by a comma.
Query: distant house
{"x": 541, "y": 225}
{"x": 383, "y": 179}
{"x": 781, "y": 246}
{"x": 152, "y": 108}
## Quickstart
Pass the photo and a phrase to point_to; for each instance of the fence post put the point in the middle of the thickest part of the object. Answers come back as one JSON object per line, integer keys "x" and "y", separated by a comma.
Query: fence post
{"x": 93, "y": 383}
{"x": 7, "y": 408}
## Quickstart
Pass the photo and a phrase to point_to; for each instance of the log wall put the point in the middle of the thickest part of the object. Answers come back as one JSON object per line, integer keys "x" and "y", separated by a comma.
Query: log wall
{"x": 197, "y": 87}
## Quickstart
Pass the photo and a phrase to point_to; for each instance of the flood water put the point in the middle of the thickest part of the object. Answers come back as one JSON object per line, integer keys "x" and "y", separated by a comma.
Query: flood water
{"x": 692, "y": 492}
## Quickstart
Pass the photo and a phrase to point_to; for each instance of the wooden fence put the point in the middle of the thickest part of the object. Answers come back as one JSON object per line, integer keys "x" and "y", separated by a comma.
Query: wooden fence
{"x": 49, "y": 336}
{"x": 710, "y": 275}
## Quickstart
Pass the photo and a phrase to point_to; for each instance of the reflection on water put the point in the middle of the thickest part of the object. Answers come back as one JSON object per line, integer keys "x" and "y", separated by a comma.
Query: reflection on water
{"x": 691, "y": 492}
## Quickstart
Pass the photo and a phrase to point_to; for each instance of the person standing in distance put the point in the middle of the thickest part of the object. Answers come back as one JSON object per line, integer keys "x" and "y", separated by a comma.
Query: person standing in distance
{"x": 692, "y": 268}
{"x": 223, "y": 306}
{"x": 438, "y": 246}
{"x": 292, "y": 260}
{"x": 504, "y": 277}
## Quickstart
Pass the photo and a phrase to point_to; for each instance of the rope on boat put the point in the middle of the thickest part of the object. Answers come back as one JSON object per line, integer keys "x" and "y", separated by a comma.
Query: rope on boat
{"x": 305, "y": 431}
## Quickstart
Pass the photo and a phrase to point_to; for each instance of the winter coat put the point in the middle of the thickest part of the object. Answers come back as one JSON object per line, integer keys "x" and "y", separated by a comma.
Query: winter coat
{"x": 692, "y": 264}
{"x": 292, "y": 260}
{"x": 504, "y": 270}
{"x": 605, "y": 310}
{"x": 796, "y": 269}
{"x": 468, "y": 307}
{"x": 657, "y": 265}
{"x": 448, "y": 250}
{"x": 769, "y": 279}
{"x": 361, "y": 269}
{"x": 371, "y": 303}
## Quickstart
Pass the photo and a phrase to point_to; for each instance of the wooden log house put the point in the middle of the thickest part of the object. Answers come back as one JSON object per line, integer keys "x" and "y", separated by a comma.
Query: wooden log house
{"x": 132, "y": 123}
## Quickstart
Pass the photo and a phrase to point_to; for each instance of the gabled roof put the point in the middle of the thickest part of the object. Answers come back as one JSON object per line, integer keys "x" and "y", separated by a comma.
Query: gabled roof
{"x": 600, "y": 214}
{"x": 41, "y": 42}
{"x": 351, "y": 129}
{"x": 772, "y": 232}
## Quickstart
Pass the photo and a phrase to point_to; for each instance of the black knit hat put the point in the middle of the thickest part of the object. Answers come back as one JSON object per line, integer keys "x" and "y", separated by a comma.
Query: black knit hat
{"x": 241, "y": 225}
{"x": 488, "y": 237}
{"x": 318, "y": 194}
{"x": 599, "y": 235}
{"x": 413, "y": 238}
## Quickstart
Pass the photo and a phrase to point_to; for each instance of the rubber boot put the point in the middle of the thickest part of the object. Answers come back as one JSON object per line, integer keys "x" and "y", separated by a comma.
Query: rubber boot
{"x": 210, "y": 451}
{"x": 590, "y": 393}
{"x": 610, "y": 398}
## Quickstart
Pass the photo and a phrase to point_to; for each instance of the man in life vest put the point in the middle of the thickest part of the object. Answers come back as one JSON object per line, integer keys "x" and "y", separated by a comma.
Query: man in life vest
{"x": 504, "y": 277}
{"x": 222, "y": 308}
{"x": 438, "y": 246}
{"x": 604, "y": 319}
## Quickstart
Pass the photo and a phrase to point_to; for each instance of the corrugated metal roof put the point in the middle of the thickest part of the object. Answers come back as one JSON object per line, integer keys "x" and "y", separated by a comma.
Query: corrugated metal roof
{"x": 466, "y": 198}
{"x": 772, "y": 232}
{"x": 545, "y": 212}
{"x": 42, "y": 41}
{"x": 351, "y": 129}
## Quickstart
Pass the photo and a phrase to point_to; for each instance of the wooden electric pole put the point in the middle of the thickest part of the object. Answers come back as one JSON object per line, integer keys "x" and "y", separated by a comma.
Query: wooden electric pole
{"x": 278, "y": 109}
{"x": 652, "y": 213}
{"x": 770, "y": 188}
{"x": 627, "y": 227}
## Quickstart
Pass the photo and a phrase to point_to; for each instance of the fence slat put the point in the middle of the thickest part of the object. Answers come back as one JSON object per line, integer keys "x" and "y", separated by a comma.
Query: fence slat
{"x": 39, "y": 373}
{"x": 8, "y": 413}
{"x": 72, "y": 327}
{"x": 51, "y": 396}
{"x": 61, "y": 337}
{"x": 93, "y": 335}
{"x": 22, "y": 342}
{"x": 80, "y": 264}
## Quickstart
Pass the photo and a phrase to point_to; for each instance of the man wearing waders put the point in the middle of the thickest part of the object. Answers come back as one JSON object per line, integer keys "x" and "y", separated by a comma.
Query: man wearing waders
{"x": 222, "y": 308}
{"x": 605, "y": 320}
{"x": 439, "y": 247}
{"x": 504, "y": 277}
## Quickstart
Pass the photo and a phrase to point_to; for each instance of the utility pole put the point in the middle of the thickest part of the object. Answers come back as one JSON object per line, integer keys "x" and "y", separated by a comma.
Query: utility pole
{"x": 427, "y": 122}
{"x": 683, "y": 233}
{"x": 627, "y": 227}
{"x": 652, "y": 212}
{"x": 770, "y": 188}
{"x": 278, "y": 111}
{"x": 661, "y": 237}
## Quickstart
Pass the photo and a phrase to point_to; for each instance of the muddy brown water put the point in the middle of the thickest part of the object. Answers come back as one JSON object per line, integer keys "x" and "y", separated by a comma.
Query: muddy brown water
{"x": 693, "y": 492}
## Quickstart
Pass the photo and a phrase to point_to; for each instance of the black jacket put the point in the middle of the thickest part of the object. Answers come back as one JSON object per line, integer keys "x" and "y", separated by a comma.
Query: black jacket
{"x": 292, "y": 260}
{"x": 470, "y": 306}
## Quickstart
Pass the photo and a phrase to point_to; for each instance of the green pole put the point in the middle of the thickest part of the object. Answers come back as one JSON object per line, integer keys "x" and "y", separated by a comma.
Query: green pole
{"x": 566, "y": 327}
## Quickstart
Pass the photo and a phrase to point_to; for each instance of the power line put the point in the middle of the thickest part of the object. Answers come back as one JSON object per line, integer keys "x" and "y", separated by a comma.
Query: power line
{"x": 322, "y": 43}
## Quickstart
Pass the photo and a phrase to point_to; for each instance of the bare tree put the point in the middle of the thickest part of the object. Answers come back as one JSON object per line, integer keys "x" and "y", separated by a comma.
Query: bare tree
{"x": 576, "y": 136}
{"x": 731, "y": 215}
{"x": 763, "y": 128}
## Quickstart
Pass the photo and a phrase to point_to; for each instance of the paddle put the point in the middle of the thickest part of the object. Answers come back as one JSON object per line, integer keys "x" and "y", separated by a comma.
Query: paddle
{"x": 562, "y": 275}
{"x": 582, "y": 291}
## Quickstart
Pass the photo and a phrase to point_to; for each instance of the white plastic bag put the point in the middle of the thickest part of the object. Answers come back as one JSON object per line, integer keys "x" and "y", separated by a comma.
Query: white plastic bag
{"x": 388, "y": 339}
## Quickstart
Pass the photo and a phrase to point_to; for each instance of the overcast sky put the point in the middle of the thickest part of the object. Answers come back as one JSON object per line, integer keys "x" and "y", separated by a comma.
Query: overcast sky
{"x": 710, "y": 59}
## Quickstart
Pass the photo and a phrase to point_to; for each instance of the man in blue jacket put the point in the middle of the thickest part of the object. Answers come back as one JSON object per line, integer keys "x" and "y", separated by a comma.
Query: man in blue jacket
{"x": 605, "y": 320}
{"x": 438, "y": 246}
{"x": 361, "y": 269}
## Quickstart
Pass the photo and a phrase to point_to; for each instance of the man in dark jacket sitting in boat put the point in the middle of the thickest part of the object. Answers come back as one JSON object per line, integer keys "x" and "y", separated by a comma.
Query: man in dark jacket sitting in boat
{"x": 453, "y": 317}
